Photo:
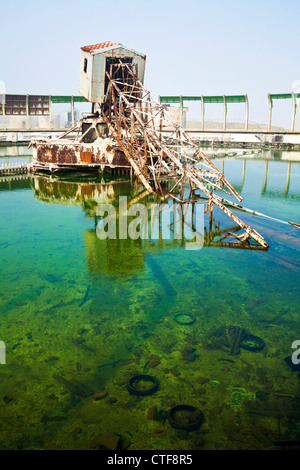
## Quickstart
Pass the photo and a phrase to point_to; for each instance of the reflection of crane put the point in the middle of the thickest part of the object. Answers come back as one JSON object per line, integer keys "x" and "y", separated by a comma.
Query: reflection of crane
{"x": 89, "y": 194}
{"x": 136, "y": 120}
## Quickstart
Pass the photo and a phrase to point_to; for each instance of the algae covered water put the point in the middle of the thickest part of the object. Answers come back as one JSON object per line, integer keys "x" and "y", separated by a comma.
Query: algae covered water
{"x": 82, "y": 317}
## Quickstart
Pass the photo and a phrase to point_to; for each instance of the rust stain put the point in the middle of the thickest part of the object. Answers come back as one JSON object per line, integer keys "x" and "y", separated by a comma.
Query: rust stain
{"x": 78, "y": 155}
{"x": 86, "y": 157}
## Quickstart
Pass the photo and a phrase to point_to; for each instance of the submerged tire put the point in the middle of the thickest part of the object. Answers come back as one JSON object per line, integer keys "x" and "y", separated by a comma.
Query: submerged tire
{"x": 185, "y": 417}
{"x": 252, "y": 343}
{"x": 134, "y": 383}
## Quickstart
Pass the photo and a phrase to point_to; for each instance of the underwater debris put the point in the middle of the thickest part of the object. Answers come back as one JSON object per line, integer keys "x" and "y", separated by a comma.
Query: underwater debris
{"x": 185, "y": 417}
{"x": 50, "y": 278}
{"x": 184, "y": 319}
{"x": 262, "y": 395}
{"x": 224, "y": 359}
{"x": 7, "y": 399}
{"x": 164, "y": 415}
{"x": 264, "y": 436}
{"x": 202, "y": 380}
{"x": 239, "y": 395}
{"x": 153, "y": 414}
{"x": 191, "y": 339}
{"x": 168, "y": 346}
{"x": 51, "y": 359}
{"x": 108, "y": 441}
{"x": 112, "y": 400}
{"x": 110, "y": 363}
{"x": 75, "y": 387}
{"x": 252, "y": 343}
{"x": 231, "y": 338}
{"x": 289, "y": 362}
{"x": 262, "y": 376}
{"x": 173, "y": 372}
{"x": 80, "y": 342}
{"x": 214, "y": 383}
{"x": 188, "y": 354}
{"x": 86, "y": 296}
{"x": 100, "y": 395}
{"x": 143, "y": 385}
{"x": 221, "y": 338}
{"x": 235, "y": 347}
{"x": 154, "y": 361}
{"x": 279, "y": 316}
{"x": 52, "y": 419}
{"x": 160, "y": 276}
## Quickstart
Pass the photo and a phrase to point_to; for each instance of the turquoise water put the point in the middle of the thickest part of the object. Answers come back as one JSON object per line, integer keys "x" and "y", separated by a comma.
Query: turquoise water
{"x": 80, "y": 316}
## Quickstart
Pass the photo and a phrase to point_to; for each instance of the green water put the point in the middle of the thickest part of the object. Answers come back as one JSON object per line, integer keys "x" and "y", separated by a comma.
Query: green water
{"x": 80, "y": 316}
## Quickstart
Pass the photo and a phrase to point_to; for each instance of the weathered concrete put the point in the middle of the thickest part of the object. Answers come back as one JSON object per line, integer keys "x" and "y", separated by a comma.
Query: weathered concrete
{"x": 19, "y": 136}
{"x": 248, "y": 139}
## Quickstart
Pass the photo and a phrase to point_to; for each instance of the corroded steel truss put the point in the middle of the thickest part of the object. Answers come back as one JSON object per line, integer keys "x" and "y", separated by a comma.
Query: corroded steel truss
{"x": 172, "y": 164}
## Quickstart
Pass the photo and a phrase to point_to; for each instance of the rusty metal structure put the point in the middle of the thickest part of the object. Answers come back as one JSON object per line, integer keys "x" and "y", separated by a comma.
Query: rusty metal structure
{"x": 126, "y": 131}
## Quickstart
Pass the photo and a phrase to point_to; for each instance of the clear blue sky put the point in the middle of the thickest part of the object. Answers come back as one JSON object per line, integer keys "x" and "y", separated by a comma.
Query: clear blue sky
{"x": 193, "y": 47}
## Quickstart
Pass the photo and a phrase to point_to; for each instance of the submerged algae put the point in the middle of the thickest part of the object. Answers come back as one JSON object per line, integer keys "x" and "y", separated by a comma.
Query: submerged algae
{"x": 132, "y": 316}
{"x": 239, "y": 395}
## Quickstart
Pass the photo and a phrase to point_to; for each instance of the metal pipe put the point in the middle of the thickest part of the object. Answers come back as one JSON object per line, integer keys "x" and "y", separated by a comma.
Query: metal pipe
{"x": 3, "y": 111}
{"x": 27, "y": 113}
{"x": 72, "y": 110}
{"x": 247, "y": 112}
{"x": 50, "y": 114}
{"x": 181, "y": 112}
{"x": 294, "y": 104}
{"x": 225, "y": 112}
{"x": 270, "y": 112}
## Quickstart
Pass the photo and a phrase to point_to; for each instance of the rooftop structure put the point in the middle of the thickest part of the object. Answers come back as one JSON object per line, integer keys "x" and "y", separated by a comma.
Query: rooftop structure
{"x": 97, "y": 59}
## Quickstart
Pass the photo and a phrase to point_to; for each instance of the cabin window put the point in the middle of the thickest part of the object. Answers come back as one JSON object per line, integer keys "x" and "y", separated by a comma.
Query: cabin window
{"x": 85, "y": 65}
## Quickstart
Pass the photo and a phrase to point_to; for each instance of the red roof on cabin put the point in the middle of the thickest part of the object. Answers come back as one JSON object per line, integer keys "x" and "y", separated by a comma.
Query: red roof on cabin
{"x": 101, "y": 45}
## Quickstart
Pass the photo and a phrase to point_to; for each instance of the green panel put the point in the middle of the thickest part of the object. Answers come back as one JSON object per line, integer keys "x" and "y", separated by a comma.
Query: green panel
{"x": 206, "y": 99}
{"x": 235, "y": 99}
{"x": 213, "y": 99}
{"x": 61, "y": 99}
{"x": 281, "y": 96}
{"x": 80, "y": 99}
{"x": 67, "y": 99}
{"x": 192, "y": 98}
{"x": 170, "y": 99}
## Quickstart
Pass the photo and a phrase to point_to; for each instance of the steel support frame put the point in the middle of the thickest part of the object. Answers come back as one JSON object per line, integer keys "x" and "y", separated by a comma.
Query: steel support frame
{"x": 132, "y": 114}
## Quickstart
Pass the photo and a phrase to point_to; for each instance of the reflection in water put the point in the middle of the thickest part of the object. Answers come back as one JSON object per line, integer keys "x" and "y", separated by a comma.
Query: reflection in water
{"x": 102, "y": 254}
{"x": 272, "y": 162}
{"x": 81, "y": 316}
